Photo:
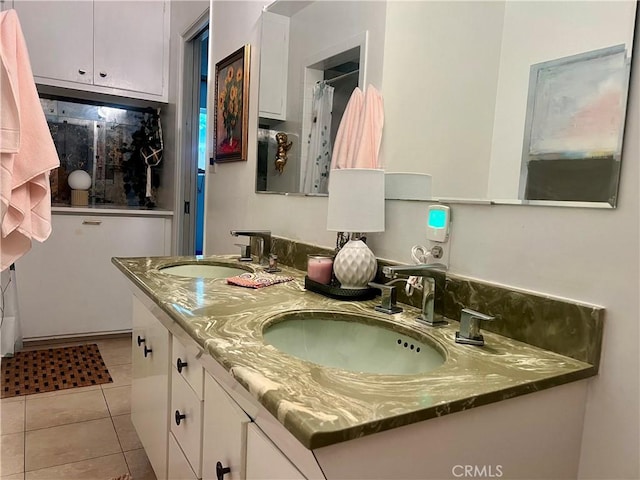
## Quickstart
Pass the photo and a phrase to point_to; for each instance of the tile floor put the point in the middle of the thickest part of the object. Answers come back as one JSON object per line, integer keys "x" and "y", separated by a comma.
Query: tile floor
{"x": 81, "y": 433}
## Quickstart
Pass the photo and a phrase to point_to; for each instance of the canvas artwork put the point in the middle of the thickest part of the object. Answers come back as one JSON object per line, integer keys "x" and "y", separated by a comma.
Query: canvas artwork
{"x": 575, "y": 121}
{"x": 232, "y": 109}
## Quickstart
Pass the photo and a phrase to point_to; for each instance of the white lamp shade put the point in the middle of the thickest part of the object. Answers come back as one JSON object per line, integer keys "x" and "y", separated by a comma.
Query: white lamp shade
{"x": 79, "y": 180}
{"x": 356, "y": 200}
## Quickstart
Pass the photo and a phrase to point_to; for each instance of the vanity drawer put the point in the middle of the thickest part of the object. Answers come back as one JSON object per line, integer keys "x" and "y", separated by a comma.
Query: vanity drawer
{"x": 186, "y": 364}
{"x": 186, "y": 421}
{"x": 179, "y": 468}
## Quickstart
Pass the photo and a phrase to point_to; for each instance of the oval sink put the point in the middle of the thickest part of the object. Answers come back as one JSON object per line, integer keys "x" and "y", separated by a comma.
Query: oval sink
{"x": 353, "y": 342}
{"x": 204, "y": 270}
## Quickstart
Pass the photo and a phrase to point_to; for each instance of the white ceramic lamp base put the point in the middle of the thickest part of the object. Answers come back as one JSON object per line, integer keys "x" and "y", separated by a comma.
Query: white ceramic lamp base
{"x": 355, "y": 265}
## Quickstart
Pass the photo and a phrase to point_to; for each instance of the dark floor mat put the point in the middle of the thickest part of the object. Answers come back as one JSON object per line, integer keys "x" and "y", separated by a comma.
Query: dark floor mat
{"x": 53, "y": 369}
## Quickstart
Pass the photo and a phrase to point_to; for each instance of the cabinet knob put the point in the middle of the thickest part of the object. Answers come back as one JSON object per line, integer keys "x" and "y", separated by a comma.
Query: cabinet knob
{"x": 103, "y": 74}
{"x": 180, "y": 365}
{"x": 221, "y": 471}
{"x": 147, "y": 351}
{"x": 140, "y": 340}
{"x": 81, "y": 72}
{"x": 179, "y": 417}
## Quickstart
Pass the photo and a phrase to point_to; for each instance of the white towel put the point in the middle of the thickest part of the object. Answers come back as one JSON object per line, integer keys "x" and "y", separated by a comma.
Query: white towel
{"x": 27, "y": 152}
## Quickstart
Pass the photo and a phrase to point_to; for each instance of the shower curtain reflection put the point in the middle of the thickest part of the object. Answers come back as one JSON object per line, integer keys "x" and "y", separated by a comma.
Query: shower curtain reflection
{"x": 315, "y": 170}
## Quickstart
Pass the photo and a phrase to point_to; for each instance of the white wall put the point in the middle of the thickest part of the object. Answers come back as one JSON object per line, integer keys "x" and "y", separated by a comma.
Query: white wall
{"x": 439, "y": 85}
{"x": 569, "y": 28}
{"x": 587, "y": 255}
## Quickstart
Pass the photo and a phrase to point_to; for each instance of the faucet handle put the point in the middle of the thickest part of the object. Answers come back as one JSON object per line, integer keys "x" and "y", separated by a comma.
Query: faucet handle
{"x": 469, "y": 332}
{"x": 245, "y": 252}
{"x": 389, "y": 298}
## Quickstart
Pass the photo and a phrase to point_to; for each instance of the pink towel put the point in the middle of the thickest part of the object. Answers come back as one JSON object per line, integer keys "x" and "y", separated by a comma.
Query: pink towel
{"x": 344, "y": 146}
{"x": 369, "y": 133}
{"x": 357, "y": 142}
{"x": 257, "y": 280}
{"x": 27, "y": 152}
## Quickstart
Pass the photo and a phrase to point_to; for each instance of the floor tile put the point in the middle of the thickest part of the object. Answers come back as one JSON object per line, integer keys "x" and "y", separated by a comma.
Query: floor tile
{"x": 66, "y": 391}
{"x": 64, "y": 409}
{"x": 12, "y": 414}
{"x": 139, "y": 465}
{"x": 126, "y": 433}
{"x": 101, "y": 468}
{"x": 121, "y": 375}
{"x": 12, "y": 453}
{"x": 45, "y": 346}
{"x": 82, "y": 441}
{"x": 15, "y": 476}
{"x": 118, "y": 400}
{"x": 19, "y": 398}
{"x": 115, "y": 352}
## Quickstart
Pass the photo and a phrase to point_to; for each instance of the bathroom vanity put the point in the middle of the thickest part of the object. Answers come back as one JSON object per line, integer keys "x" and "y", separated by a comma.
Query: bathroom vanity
{"x": 209, "y": 393}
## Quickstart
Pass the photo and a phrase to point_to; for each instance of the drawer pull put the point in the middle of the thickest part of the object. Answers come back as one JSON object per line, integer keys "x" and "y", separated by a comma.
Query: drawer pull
{"x": 180, "y": 364}
{"x": 147, "y": 351}
{"x": 221, "y": 471}
{"x": 179, "y": 417}
{"x": 103, "y": 74}
{"x": 140, "y": 340}
{"x": 81, "y": 72}
{"x": 92, "y": 222}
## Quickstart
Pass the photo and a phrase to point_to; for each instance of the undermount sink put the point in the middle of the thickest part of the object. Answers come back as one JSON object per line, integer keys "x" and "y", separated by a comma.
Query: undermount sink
{"x": 356, "y": 343}
{"x": 203, "y": 270}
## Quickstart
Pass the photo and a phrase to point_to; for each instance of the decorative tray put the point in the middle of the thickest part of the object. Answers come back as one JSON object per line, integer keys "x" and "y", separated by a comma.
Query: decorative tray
{"x": 334, "y": 291}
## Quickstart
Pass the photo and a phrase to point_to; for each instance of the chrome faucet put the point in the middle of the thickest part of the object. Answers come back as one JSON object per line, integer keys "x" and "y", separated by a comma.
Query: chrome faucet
{"x": 389, "y": 296}
{"x": 426, "y": 271}
{"x": 264, "y": 249}
{"x": 470, "y": 327}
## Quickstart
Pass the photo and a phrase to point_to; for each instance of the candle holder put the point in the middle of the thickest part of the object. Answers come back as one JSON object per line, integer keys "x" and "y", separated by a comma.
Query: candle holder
{"x": 320, "y": 268}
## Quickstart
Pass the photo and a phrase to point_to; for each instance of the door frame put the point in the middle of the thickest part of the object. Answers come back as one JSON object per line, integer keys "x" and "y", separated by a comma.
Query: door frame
{"x": 187, "y": 136}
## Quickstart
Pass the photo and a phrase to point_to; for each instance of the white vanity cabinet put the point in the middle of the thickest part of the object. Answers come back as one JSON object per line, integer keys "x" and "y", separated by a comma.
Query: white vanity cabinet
{"x": 224, "y": 434}
{"x": 265, "y": 461}
{"x": 274, "y": 64}
{"x": 150, "y": 385}
{"x": 118, "y": 48}
{"x": 67, "y": 286}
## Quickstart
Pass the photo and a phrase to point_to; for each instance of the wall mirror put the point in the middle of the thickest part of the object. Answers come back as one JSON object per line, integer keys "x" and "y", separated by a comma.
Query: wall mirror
{"x": 505, "y": 101}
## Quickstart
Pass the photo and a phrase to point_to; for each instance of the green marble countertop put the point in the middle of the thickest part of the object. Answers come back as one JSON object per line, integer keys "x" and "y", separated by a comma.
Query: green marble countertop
{"x": 321, "y": 406}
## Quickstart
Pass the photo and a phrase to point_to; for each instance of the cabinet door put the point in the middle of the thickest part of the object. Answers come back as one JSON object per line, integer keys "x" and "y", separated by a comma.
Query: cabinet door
{"x": 274, "y": 64}
{"x": 265, "y": 461}
{"x": 129, "y": 45}
{"x": 68, "y": 285}
{"x": 150, "y": 386}
{"x": 179, "y": 468}
{"x": 224, "y": 433}
{"x": 59, "y": 38}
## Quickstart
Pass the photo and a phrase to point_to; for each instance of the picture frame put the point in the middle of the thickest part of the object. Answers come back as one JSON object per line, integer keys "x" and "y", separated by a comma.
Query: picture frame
{"x": 231, "y": 109}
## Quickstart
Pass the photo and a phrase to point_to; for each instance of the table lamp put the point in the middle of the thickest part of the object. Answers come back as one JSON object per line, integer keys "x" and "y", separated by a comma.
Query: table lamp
{"x": 80, "y": 182}
{"x": 356, "y": 205}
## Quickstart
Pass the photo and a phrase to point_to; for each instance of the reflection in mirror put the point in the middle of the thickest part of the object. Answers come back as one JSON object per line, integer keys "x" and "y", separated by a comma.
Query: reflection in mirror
{"x": 512, "y": 101}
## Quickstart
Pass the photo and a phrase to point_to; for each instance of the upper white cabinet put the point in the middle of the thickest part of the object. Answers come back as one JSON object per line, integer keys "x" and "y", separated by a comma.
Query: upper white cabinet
{"x": 112, "y": 47}
{"x": 59, "y": 37}
{"x": 274, "y": 63}
{"x": 129, "y": 45}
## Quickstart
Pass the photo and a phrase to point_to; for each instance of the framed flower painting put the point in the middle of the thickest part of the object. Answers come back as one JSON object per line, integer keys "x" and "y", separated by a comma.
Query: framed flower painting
{"x": 232, "y": 107}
